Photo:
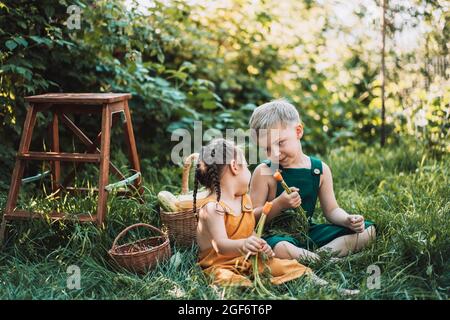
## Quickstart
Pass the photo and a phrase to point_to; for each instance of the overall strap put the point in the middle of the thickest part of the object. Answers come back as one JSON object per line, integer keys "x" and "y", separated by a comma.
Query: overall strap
{"x": 316, "y": 171}
{"x": 211, "y": 198}
{"x": 269, "y": 164}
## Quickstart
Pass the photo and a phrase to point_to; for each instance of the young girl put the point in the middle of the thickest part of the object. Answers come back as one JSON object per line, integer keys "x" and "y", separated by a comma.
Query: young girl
{"x": 225, "y": 232}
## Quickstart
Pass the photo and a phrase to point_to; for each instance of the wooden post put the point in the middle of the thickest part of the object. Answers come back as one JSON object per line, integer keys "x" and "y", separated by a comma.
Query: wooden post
{"x": 56, "y": 165}
{"x": 104, "y": 164}
{"x": 132, "y": 149}
{"x": 19, "y": 167}
{"x": 383, "y": 70}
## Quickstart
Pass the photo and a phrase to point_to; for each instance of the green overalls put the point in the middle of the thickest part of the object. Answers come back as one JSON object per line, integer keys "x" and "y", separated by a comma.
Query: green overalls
{"x": 307, "y": 181}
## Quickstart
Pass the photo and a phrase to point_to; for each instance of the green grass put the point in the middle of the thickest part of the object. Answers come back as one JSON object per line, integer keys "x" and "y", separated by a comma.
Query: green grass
{"x": 404, "y": 189}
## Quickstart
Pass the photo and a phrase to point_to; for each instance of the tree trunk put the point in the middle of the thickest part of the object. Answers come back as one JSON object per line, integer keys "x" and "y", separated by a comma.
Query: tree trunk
{"x": 383, "y": 70}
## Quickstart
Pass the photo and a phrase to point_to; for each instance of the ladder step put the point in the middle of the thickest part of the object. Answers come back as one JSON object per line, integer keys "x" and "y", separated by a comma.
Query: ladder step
{"x": 60, "y": 156}
{"x": 24, "y": 215}
{"x": 120, "y": 191}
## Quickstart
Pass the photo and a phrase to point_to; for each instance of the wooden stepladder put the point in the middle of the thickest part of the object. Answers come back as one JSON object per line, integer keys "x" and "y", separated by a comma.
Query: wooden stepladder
{"x": 110, "y": 106}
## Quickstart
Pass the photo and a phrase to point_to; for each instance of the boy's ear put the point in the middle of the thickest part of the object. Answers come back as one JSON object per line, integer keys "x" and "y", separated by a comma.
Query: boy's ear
{"x": 299, "y": 131}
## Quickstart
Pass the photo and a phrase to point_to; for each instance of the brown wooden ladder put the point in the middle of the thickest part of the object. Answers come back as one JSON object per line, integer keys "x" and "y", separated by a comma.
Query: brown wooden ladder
{"x": 110, "y": 106}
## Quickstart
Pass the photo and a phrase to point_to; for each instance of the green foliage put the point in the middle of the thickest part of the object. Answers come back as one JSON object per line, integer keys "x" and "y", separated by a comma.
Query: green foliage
{"x": 165, "y": 59}
{"x": 185, "y": 62}
{"x": 204, "y": 62}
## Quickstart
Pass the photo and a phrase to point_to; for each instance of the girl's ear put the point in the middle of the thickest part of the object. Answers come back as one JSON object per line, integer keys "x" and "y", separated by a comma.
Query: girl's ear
{"x": 299, "y": 131}
{"x": 234, "y": 167}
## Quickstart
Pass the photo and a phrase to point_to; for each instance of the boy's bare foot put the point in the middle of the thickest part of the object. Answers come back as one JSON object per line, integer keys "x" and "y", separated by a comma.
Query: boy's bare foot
{"x": 317, "y": 280}
{"x": 319, "y": 258}
{"x": 308, "y": 259}
{"x": 327, "y": 255}
{"x": 335, "y": 259}
{"x": 348, "y": 292}
{"x": 323, "y": 283}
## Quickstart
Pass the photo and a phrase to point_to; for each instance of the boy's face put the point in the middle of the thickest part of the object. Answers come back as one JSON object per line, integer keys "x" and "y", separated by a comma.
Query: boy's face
{"x": 281, "y": 144}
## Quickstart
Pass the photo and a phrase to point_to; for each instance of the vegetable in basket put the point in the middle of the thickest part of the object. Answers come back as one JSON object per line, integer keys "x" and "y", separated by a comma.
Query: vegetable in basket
{"x": 168, "y": 201}
{"x": 172, "y": 203}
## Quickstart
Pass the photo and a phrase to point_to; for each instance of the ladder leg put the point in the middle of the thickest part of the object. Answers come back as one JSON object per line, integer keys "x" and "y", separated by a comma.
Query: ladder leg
{"x": 56, "y": 165}
{"x": 19, "y": 167}
{"x": 2, "y": 233}
{"x": 132, "y": 149}
{"x": 104, "y": 164}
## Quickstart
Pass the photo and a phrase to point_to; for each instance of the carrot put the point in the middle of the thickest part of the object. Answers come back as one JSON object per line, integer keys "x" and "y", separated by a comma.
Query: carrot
{"x": 259, "y": 286}
{"x": 262, "y": 220}
{"x": 267, "y": 207}
{"x": 277, "y": 175}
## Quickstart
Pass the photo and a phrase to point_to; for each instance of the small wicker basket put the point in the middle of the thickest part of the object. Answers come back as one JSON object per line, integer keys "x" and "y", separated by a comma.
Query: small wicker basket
{"x": 140, "y": 256}
{"x": 182, "y": 225}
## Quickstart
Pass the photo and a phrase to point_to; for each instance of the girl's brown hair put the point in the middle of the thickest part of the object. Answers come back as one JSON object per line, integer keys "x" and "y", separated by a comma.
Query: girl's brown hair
{"x": 213, "y": 159}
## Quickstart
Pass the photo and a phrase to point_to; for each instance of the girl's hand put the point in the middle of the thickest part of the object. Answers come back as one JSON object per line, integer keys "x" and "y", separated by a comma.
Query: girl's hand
{"x": 288, "y": 201}
{"x": 355, "y": 222}
{"x": 267, "y": 250}
{"x": 253, "y": 245}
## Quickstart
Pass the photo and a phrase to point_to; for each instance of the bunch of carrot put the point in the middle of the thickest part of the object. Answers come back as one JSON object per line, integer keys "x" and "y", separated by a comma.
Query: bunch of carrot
{"x": 259, "y": 286}
{"x": 302, "y": 214}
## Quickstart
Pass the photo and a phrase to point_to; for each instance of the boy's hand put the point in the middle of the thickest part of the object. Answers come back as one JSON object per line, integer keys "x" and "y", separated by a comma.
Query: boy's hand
{"x": 288, "y": 201}
{"x": 355, "y": 222}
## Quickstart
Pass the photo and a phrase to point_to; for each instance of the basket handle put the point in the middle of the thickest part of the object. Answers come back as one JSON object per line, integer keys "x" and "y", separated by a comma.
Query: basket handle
{"x": 186, "y": 168}
{"x": 121, "y": 234}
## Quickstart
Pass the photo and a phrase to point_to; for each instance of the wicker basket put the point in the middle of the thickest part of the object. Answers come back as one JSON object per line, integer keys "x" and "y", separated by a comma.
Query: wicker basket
{"x": 182, "y": 225}
{"x": 143, "y": 260}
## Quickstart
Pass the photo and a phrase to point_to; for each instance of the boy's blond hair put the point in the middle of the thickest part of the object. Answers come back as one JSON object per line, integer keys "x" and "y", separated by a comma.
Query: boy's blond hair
{"x": 273, "y": 113}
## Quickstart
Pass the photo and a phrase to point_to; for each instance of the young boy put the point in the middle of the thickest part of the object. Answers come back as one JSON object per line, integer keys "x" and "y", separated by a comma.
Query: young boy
{"x": 278, "y": 130}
